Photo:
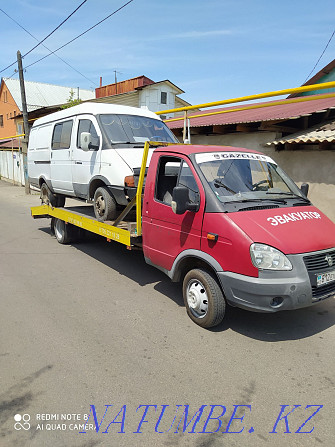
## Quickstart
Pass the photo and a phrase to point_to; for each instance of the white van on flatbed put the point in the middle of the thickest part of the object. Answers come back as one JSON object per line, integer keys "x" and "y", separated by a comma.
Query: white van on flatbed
{"x": 92, "y": 151}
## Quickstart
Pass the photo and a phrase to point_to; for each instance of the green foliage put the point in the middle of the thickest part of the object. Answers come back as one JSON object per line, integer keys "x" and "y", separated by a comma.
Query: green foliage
{"x": 71, "y": 102}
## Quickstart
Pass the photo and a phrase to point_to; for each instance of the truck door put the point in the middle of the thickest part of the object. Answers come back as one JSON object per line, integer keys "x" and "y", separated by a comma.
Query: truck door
{"x": 60, "y": 161}
{"x": 85, "y": 164}
{"x": 166, "y": 234}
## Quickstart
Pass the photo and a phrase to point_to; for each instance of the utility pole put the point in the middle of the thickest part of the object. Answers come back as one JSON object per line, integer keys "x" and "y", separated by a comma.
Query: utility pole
{"x": 25, "y": 123}
{"x": 115, "y": 82}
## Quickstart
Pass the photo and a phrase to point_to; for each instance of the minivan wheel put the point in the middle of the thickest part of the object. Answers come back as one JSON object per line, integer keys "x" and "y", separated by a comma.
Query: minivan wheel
{"x": 49, "y": 198}
{"x": 104, "y": 205}
{"x": 203, "y": 298}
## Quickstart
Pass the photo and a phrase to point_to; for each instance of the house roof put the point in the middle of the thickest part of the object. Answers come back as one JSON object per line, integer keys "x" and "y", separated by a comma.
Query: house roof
{"x": 320, "y": 74}
{"x": 130, "y": 86}
{"x": 262, "y": 111}
{"x": 316, "y": 134}
{"x": 43, "y": 95}
{"x": 10, "y": 143}
{"x": 166, "y": 81}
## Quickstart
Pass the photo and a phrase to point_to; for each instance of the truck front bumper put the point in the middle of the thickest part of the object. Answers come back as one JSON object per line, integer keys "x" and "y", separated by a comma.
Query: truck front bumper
{"x": 272, "y": 291}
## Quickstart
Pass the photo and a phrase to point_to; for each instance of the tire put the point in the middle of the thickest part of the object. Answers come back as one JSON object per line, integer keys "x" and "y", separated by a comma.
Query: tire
{"x": 203, "y": 298}
{"x": 104, "y": 205}
{"x": 49, "y": 198}
{"x": 64, "y": 233}
{"x": 60, "y": 201}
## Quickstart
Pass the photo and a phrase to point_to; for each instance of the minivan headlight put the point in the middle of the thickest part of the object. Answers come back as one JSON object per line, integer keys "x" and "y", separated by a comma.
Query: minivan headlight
{"x": 268, "y": 258}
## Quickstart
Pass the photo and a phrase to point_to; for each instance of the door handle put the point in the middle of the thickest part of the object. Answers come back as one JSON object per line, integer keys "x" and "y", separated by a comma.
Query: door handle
{"x": 78, "y": 162}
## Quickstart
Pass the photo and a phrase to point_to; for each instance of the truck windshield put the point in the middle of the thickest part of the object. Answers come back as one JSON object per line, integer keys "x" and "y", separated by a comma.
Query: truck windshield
{"x": 239, "y": 176}
{"x": 135, "y": 129}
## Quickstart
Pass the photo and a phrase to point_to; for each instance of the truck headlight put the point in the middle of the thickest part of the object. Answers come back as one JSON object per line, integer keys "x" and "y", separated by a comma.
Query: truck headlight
{"x": 268, "y": 258}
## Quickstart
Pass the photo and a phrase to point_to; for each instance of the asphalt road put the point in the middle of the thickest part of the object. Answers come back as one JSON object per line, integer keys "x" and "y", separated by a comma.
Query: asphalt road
{"x": 90, "y": 329}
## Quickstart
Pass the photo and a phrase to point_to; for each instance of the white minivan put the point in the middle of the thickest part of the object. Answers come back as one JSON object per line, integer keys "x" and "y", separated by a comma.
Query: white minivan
{"x": 92, "y": 151}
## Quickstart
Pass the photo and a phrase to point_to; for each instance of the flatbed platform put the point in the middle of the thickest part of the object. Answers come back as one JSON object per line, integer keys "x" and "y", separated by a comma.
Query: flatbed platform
{"x": 83, "y": 217}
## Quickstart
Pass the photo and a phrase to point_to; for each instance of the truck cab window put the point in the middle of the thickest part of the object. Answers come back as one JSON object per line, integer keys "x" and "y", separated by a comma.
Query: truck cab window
{"x": 87, "y": 126}
{"x": 61, "y": 138}
{"x": 186, "y": 178}
{"x": 173, "y": 172}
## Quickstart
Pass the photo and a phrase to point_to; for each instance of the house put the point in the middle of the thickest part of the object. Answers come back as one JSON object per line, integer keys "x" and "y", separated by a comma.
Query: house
{"x": 142, "y": 92}
{"x": 38, "y": 95}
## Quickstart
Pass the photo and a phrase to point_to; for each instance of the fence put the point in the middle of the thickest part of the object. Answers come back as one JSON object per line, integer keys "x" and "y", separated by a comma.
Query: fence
{"x": 11, "y": 163}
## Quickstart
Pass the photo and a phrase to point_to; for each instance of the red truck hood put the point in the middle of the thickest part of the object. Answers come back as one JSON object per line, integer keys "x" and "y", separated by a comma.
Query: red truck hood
{"x": 293, "y": 230}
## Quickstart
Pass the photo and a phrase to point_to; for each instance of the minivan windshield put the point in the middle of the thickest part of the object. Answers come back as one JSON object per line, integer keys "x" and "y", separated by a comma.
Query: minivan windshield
{"x": 240, "y": 176}
{"x": 135, "y": 129}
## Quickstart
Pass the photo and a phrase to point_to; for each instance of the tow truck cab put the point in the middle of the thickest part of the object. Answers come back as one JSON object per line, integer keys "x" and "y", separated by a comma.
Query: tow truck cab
{"x": 237, "y": 229}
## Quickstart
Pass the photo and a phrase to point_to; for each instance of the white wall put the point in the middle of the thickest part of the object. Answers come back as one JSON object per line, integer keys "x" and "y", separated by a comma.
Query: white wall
{"x": 11, "y": 166}
{"x": 250, "y": 140}
{"x": 150, "y": 96}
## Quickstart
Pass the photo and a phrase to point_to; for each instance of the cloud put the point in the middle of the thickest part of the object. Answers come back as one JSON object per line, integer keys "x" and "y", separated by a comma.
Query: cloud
{"x": 199, "y": 34}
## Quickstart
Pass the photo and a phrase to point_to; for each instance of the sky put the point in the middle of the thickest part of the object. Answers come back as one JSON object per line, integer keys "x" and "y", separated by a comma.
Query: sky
{"x": 212, "y": 49}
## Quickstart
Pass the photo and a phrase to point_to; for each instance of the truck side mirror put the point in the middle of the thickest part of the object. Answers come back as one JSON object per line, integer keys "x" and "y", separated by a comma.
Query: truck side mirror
{"x": 85, "y": 141}
{"x": 304, "y": 189}
{"x": 181, "y": 201}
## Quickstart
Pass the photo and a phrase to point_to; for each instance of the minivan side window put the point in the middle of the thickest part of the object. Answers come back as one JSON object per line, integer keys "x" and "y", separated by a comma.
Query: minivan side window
{"x": 87, "y": 126}
{"x": 173, "y": 172}
{"x": 61, "y": 138}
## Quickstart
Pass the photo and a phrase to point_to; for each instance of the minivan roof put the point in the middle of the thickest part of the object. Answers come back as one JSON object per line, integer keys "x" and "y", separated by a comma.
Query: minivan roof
{"x": 94, "y": 108}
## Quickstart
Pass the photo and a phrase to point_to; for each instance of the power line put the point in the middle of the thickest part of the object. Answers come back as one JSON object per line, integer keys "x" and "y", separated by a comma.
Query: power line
{"x": 323, "y": 52}
{"x": 67, "y": 18}
{"x": 89, "y": 29}
{"x": 28, "y": 32}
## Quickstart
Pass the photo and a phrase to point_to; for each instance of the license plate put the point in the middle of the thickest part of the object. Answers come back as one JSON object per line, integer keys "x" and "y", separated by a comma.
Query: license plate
{"x": 325, "y": 278}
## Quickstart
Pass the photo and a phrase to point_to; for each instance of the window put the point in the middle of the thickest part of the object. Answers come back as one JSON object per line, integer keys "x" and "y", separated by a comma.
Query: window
{"x": 5, "y": 97}
{"x": 61, "y": 138}
{"x": 163, "y": 97}
{"x": 88, "y": 126}
{"x": 20, "y": 128}
{"x": 173, "y": 172}
{"x": 135, "y": 129}
{"x": 186, "y": 178}
{"x": 1, "y": 120}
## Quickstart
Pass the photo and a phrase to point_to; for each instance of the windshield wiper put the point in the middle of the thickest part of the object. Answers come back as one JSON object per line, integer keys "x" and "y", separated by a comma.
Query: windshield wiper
{"x": 291, "y": 194}
{"x": 127, "y": 142}
{"x": 259, "y": 200}
{"x": 219, "y": 183}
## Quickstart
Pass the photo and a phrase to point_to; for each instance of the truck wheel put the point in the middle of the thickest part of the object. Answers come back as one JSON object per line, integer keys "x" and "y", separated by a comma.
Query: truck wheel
{"x": 203, "y": 298}
{"x": 104, "y": 205}
{"x": 64, "y": 232}
{"x": 49, "y": 198}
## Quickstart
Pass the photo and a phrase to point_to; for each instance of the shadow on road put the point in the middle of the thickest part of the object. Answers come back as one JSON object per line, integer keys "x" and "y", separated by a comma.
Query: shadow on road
{"x": 285, "y": 325}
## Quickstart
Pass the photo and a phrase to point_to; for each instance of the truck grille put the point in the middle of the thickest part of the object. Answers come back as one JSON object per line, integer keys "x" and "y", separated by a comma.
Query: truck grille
{"x": 319, "y": 262}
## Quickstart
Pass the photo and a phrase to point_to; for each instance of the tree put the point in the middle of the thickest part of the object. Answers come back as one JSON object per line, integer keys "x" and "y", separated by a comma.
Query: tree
{"x": 71, "y": 101}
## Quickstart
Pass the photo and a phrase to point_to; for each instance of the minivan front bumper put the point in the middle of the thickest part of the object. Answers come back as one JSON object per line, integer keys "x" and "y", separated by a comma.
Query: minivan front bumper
{"x": 273, "y": 291}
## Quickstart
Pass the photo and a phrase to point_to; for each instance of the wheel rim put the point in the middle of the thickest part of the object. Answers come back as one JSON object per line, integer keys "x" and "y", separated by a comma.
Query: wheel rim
{"x": 58, "y": 229}
{"x": 197, "y": 299}
{"x": 100, "y": 205}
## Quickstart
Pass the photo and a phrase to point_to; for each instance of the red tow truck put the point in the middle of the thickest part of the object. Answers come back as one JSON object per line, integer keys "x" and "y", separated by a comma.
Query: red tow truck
{"x": 226, "y": 222}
